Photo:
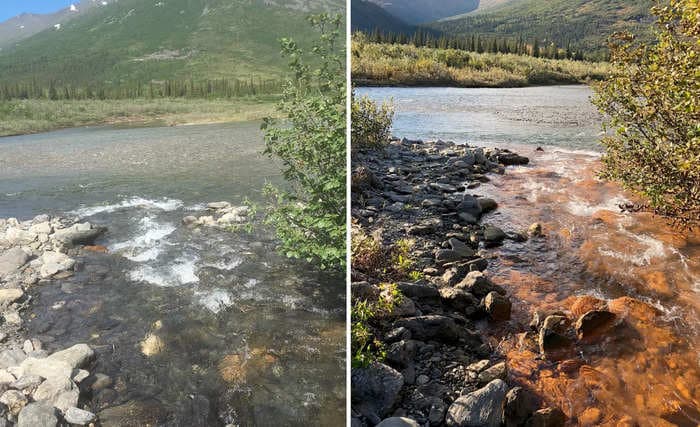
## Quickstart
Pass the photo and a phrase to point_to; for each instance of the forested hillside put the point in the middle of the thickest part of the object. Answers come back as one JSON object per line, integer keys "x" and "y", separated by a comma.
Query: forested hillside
{"x": 423, "y": 11}
{"x": 577, "y": 24}
{"x": 368, "y": 17}
{"x": 135, "y": 48}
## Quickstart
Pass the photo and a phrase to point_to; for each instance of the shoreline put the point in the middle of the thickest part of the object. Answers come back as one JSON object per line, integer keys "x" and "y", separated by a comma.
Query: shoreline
{"x": 442, "y": 365}
{"x": 42, "y": 116}
{"x": 449, "y": 84}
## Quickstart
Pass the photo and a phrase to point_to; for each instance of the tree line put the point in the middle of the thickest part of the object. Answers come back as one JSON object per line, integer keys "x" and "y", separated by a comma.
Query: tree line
{"x": 220, "y": 88}
{"x": 477, "y": 43}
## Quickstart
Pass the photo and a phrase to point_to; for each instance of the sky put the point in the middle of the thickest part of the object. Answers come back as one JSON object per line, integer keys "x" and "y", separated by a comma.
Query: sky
{"x": 11, "y": 8}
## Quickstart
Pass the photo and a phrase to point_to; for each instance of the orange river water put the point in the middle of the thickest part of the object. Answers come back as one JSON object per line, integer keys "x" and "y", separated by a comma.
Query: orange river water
{"x": 646, "y": 370}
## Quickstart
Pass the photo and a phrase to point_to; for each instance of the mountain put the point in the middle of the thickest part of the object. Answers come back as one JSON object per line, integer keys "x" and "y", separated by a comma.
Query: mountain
{"x": 154, "y": 40}
{"x": 583, "y": 24}
{"x": 27, "y": 24}
{"x": 367, "y": 16}
{"x": 423, "y": 11}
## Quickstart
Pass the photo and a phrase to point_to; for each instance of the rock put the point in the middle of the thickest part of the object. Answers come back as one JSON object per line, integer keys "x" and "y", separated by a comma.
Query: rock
{"x": 422, "y": 379}
{"x": 7, "y": 378}
{"x": 152, "y": 344}
{"x": 519, "y": 406}
{"x": 230, "y": 218}
{"x": 17, "y": 236}
{"x": 37, "y": 414}
{"x": 594, "y": 323}
{"x": 12, "y": 317}
{"x": 419, "y": 291}
{"x": 364, "y": 179}
{"x": 54, "y": 262}
{"x": 497, "y": 306}
{"x": 436, "y": 415}
{"x": 76, "y": 356}
{"x": 80, "y": 375}
{"x": 431, "y": 327}
{"x": 493, "y": 236}
{"x": 189, "y": 220}
{"x": 487, "y": 205}
{"x": 479, "y": 285}
{"x": 461, "y": 300}
{"x": 133, "y": 413}
{"x": 498, "y": 371}
{"x": 590, "y": 417}
{"x": 364, "y": 291}
{"x": 8, "y": 296}
{"x": 11, "y": 260}
{"x": 639, "y": 310}
{"x": 14, "y": 400}
{"x": 402, "y": 353}
{"x": 467, "y": 218}
{"x": 511, "y": 159}
{"x": 46, "y": 368}
{"x": 11, "y": 358}
{"x": 78, "y": 234}
{"x": 586, "y": 303}
{"x": 445, "y": 188}
{"x": 461, "y": 248}
{"x": 470, "y": 206}
{"x": 78, "y": 416}
{"x": 62, "y": 393}
{"x": 218, "y": 205}
{"x": 398, "y": 422}
{"x": 444, "y": 256}
{"x": 397, "y": 334}
{"x": 481, "y": 408}
{"x": 549, "y": 417}
{"x": 554, "y": 334}
{"x": 375, "y": 389}
{"x": 27, "y": 382}
{"x": 535, "y": 230}
{"x": 100, "y": 381}
{"x": 41, "y": 228}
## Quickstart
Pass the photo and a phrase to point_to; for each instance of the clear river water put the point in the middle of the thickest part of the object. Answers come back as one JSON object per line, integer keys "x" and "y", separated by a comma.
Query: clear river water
{"x": 245, "y": 337}
{"x": 646, "y": 371}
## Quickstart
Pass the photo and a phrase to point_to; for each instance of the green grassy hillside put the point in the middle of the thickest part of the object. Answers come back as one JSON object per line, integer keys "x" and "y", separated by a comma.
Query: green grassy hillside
{"x": 144, "y": 41}
{"x": 583, "y": 24}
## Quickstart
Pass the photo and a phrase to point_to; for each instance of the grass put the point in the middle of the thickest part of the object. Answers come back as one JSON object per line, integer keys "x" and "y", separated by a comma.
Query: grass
{"x": 32, "y": 116}
{"x": 376, "y": 64}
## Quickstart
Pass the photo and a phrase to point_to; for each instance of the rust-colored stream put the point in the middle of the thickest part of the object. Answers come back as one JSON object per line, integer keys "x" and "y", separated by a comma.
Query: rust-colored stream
{"x": 643, "y": 372}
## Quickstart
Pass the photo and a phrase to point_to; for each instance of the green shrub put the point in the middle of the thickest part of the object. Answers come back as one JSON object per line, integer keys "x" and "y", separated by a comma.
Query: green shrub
{"x": 310, "y": 216}
{"x": 371, "y": 123}
{"x": 365, "y": 347}
{"x": 652, "y": 101}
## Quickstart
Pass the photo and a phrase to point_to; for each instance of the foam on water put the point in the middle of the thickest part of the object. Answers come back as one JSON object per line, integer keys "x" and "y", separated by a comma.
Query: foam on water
{"x": 165, "y": 204}
{"x": 148, "y": 245}
{"x": 181, "y": 272}
{"x": 215, "y": 300}
{"x": 579, "y": 207}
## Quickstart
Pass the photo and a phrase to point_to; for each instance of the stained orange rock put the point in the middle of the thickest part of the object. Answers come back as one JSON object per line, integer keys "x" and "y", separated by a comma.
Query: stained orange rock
{"x": 656, "y": 281}
{"x": 606, "y": 216}
{"x": 590, "y": 417}
{"x": 587, "y": 303}
{"x": 232, "y": 369}
{"x": 96, "y": 248}
{"x": 628, "y": 306}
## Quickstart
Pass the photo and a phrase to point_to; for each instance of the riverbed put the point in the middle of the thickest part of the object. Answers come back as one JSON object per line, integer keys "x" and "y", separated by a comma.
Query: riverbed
{"x": 244, "y": 336}
{"x": 647, "y": 371}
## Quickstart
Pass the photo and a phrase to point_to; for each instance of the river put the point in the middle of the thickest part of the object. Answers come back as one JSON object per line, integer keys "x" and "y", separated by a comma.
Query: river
{"x": 647, "y": 370}
{"x": 213, "y": 298}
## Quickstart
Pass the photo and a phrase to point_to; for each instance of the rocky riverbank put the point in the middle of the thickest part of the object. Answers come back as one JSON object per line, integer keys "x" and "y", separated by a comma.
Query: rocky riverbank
{"x": 42, "y": 389}
{"x": 438, "y": 369}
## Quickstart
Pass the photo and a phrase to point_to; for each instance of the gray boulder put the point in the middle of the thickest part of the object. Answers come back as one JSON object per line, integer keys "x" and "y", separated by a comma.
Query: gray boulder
{"x": 431, "y": 327}
{"x": 37, "y": 414}
{"x": 78, "y": 234}
{"x": 76, "y": 356}
{"x": 398, "y": 422}
{"x": 481, "y": 408}
{"x": 78, "y": 416}
{"x": 375, "y": 390}
{"x": 11, "y": 260}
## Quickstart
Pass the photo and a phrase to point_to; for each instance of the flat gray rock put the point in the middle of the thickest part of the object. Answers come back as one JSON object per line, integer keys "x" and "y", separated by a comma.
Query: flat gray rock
{"x": 481, "y": 408}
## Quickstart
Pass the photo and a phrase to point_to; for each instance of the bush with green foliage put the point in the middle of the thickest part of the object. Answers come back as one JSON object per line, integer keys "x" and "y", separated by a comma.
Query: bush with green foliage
{"x": 365, "y": 346}
{"x": 652, "y": 101}
{"x": 309, "y": 216}
{"x": 371, "y": 123}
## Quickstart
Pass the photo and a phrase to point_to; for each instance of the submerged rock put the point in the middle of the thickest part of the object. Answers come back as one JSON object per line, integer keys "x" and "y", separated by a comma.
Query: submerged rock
{"x": 594, "y": 323}
{"x": 549, "y": 417}
{"x": 519, "y": 405}
{"x": 497, "y": 306}
{"x": 554, "y": 334}
{"x": 79, "y": 234}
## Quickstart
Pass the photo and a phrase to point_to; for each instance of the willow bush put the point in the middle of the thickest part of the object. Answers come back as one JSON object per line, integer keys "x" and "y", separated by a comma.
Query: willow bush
{"x": 652, "y": 104}
{"x": 309, "y": 216}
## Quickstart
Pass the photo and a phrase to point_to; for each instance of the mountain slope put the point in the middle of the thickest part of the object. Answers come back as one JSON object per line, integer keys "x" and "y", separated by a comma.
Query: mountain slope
{"x": 585, "y": 24}
{"x": 367, "y": 16}
{"x": 423, "y": 11}
{"x": 145, "y": 40}
{"x": 27, "y": 24}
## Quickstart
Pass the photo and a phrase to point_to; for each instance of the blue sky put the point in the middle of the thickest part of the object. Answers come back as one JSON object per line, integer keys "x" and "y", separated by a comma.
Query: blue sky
{"x": 10, "y": 8}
